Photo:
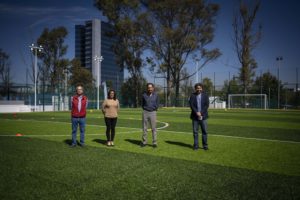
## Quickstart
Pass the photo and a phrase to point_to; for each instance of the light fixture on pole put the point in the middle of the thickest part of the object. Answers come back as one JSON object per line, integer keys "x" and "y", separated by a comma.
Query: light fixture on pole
{"x": 279, "y": 59}
{"x": 98, "y": 59}
{"x": 35, "y": 49}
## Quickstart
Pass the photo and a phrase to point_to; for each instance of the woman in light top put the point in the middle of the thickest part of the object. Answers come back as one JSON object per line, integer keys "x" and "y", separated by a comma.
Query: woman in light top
{"x": 110, "y": 108}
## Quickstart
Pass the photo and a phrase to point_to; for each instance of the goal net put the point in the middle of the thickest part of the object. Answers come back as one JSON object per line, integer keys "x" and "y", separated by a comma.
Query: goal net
{"x": 247, "y": 101}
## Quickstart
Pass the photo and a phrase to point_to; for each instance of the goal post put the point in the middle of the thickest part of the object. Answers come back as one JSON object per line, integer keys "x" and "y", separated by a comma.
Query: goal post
{"x": 247, "y": 101}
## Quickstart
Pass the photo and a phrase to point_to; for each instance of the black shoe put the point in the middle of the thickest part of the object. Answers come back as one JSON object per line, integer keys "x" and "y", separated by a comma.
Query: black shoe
{"x": 73, "y": 145}
{"x": 82, "y": 145}
{"x": 205, "y": 148}
{"x": 195, "y": 147}
{"x": 154, "y": 145}
{"x": 143, "y": 145}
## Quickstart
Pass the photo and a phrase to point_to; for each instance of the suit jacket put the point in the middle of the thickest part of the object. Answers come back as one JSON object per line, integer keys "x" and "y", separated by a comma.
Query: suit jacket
{"x": 194, "y": 106}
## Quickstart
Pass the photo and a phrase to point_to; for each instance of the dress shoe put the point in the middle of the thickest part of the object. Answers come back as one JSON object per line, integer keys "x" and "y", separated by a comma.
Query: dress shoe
{"x": 143, "y": 145}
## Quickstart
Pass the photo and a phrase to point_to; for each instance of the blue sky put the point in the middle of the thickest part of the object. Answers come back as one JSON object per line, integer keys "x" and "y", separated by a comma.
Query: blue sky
{"x": 23, "y": 21}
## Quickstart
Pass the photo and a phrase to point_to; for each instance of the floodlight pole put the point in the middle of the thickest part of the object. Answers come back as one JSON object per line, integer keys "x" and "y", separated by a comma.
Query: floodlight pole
{"x": 279, "y": 59}
{"x": 197, "y": 72}
{"x": 66, "y": 87}
{"x": 99, "y": 59}
{"x": 35, "y": 49}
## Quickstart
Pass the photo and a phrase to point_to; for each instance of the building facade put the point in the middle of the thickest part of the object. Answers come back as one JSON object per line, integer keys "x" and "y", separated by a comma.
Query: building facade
{"x": 91, "y": 40}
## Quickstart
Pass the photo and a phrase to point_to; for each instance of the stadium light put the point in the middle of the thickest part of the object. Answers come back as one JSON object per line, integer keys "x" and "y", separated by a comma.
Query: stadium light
{"x": 35, "y": 49}
{"x": 99, "y": 59}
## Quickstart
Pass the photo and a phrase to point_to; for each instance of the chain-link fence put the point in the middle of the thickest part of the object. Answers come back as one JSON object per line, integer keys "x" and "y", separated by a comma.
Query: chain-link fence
{"x": 282, "y": 95}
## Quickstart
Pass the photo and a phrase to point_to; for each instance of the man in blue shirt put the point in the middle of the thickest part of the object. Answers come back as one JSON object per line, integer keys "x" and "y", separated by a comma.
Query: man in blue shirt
{"x": 199, "y": 103}
{"x": 150, "y": 106}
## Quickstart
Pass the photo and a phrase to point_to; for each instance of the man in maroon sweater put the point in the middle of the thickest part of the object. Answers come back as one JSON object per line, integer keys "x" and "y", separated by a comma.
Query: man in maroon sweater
{"x": 79, "y": 105}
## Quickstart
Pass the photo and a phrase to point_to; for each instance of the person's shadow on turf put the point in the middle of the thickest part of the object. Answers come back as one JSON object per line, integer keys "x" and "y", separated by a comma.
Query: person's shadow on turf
{"x": 100, "y": 141}
{"x": 179, "y": 144}
{"x": 136, "y": 142}
{"x": 68, "y": 141}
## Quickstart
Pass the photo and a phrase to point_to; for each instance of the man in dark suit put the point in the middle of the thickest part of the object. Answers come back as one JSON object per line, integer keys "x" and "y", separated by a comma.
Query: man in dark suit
{"x": 199, "y": 103}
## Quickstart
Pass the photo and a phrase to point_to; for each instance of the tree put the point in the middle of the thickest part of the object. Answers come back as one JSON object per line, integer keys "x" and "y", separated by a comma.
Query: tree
{"x": 52, "y": 55}
{"x": 80, "y": 75}
{"x": 229, "y": 87}
{"x": 186, "y": 88}
{"x": 245, "y": 40}
{"x": 129, "y": 97}
{"x": 5, "y": 74}
{"x": 129, "y": 48}
{"x": 175, "y": 31}
{"x": 208, "y": 86}
{"x": 267, "y": 84}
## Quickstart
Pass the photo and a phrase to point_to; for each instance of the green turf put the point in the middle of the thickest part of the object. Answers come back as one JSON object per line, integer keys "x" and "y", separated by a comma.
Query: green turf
{"x": 253, "y": 155}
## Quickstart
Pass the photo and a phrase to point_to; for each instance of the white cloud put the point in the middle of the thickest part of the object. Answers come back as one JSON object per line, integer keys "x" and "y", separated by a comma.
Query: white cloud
{"x": 38, "y": 11}
{"x": 51, "y": 15}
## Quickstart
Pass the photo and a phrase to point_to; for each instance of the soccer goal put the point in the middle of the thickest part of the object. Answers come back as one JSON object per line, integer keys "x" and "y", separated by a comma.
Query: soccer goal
{"x": 247, "y": 101}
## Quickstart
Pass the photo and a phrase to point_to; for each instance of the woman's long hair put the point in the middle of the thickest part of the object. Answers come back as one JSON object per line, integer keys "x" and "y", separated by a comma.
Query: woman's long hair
{"x": 108, "y": 94}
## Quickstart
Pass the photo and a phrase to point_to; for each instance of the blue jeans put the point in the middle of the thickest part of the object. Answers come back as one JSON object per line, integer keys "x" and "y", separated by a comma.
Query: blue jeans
{"x": 203, "y": 125}
{"x": 75, "y": 123}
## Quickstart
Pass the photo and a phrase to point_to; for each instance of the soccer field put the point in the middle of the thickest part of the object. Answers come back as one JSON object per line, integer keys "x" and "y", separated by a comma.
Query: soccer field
{"x": 253, "y": 154}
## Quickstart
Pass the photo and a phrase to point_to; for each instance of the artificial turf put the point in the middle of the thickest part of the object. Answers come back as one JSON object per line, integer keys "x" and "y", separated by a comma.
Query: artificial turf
{"x": 253, "y": 155}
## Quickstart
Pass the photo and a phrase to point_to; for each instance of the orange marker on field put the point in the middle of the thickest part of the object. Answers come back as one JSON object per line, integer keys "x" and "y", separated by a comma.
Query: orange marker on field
{"x": 19, "y": 134}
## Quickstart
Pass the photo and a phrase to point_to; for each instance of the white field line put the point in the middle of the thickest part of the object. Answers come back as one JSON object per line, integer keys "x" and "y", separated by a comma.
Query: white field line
{"x": 55, "y": 122}
{"x": 160, "y": 128}
{"x": 64, "y": 135}
{"x": 238, "y": 137}
{"x": 135, "y": 129}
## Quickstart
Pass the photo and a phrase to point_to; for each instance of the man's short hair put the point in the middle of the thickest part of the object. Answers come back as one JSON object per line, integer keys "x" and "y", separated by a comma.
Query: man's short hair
{"x": 150, "y": 84}
{"x": 198, "y": 84}
{"x": 79, "y": 85}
